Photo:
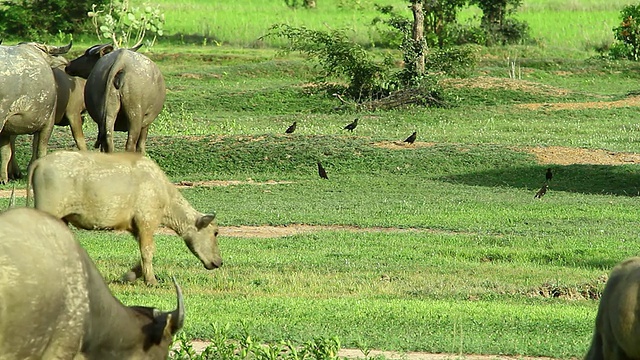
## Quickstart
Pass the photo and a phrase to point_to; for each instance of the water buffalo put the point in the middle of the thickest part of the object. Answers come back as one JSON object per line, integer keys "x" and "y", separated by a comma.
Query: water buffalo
{"x": 70, "y": 104}
{"x": 69, "y": 109}
{"x": 55, "y": 304}
{"x": 617, "y": 331}
{"x": 125, "y": 91}
{"x": 27, "y": 100}
{"x": 121, "y": 191}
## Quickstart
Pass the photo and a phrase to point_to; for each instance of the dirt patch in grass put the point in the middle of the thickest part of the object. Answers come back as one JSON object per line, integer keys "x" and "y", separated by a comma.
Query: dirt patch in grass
{"x": 568, "y": 156}
{"x": 211, "y": 183}
{"x": 199, "y": 346}
{"x": 588, "y": 291}
{"x": 489, "y": 82}
{"x": 633, "y": 101}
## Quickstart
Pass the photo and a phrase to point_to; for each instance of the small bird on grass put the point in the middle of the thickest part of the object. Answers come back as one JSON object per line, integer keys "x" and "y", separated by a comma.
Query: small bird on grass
{"x": 291, "y": 128}
{"x": 549, "y": 175}
{"x": 541, "y": 192}
{"x": 411, "y": 138}
{"x": 322, "y": 172}
{"x": 352, "y": 125}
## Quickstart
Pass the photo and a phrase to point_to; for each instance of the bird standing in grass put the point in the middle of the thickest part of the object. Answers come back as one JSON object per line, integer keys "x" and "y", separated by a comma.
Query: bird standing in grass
{"x": 549, "y": 175}
{"x": 411, "y": 138}
{"x": 322, "y": 172}
{"x": 291, "y": 128}
{"x": 352, "y": 125}
{"x": 541, "y": 192}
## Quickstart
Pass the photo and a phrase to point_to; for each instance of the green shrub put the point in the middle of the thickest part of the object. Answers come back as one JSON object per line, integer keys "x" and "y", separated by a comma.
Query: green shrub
{"x": 32, "y": 20}
{"x": 124, "y": 24}
{"x": 627, "y": 35}
{"x": 339, "y": 57}
{"x": 458, "y": 61}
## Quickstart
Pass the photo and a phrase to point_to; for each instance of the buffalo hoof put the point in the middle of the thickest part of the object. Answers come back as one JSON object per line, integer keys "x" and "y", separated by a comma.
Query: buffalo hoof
{"x": 15, "y": 175}
{"x": 129, "y": 277}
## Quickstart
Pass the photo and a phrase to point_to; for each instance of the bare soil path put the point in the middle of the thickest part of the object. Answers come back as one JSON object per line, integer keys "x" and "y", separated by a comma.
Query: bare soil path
{"x": 199, "y": 346}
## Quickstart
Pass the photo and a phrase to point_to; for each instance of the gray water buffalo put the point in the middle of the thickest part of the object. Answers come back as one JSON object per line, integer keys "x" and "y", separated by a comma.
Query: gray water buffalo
{"x": 69, "y": 109}
{"x": 617, "y": 331}
{"x": 27, "y": 100}
{"x": 121, "y": 191}
{"x": 55, "y": 304}
{"x": 70, "y": 104}
{"x": 125, "y": 91}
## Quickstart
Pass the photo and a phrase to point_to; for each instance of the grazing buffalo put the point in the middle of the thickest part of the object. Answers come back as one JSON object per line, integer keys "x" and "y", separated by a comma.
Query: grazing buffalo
{"x": 27, "y": 100}
{"x": 125, "y": 91}
{"x": 617, "y": 330}
{"x": 54, "y": 303}
{"x": 122, "y": 191}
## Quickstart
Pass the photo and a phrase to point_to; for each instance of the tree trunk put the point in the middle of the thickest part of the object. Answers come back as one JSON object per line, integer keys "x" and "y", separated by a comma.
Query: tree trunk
{"x": 310, "y": 4}
{"x": 418, "y": 35}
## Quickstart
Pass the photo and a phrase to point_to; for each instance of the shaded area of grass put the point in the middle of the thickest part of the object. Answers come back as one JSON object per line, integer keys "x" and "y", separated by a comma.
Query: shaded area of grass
{"x": 621, "y": 180}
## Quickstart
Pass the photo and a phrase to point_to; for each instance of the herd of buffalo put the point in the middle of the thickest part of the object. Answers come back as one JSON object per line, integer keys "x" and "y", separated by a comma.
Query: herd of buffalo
{"x": 54, "y": 304}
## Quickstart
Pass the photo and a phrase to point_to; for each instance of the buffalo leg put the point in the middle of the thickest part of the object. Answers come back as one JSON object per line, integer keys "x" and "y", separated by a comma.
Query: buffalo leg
{"x": 14, "y": 168}
{"x": 107, "y": 145}
{"x": 5, "y": 157}
{"x": 132, "y": 139}
{"x": 41, "y": 139}
{"x": 147, "y": 248}
{"x": 142, "y": 139}
{"x": 75, "y": 123}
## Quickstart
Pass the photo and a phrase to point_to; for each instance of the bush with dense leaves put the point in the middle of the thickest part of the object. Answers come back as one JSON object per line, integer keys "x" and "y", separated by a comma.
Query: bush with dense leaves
{"x": 627, "y": 35}
{"x": 33, "y": 19}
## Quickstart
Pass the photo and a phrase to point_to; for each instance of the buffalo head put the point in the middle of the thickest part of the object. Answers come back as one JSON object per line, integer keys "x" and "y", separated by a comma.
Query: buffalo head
{"x": 83, "y": 65}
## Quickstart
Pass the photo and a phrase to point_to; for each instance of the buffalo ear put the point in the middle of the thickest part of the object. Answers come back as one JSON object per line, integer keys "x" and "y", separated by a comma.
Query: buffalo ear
{"x": 100, "y": 50}
{"x": 105, "y": 50}
{"x": 204, "y": 221}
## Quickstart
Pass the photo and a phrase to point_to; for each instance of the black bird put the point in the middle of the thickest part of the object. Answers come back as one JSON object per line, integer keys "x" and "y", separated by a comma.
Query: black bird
{"x": 291, "y": 128}
{"x": 352, "y": 125}
{"x": 541, "y": 192}
{"x": 549, "y": 175}
{"x": 322, "y": 172}
{"x": 411, "y": 138}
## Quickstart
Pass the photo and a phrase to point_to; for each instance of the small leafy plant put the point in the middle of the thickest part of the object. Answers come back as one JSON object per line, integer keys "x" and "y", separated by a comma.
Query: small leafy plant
{"x": 224, "y": 347}
{"x": 125, "y": 24}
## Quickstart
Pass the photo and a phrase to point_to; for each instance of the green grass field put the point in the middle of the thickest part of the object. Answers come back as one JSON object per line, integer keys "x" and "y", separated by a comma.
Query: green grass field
{"x": 436, "y": 247}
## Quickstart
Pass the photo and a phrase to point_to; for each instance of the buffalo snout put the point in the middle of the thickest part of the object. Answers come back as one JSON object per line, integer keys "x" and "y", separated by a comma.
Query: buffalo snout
{"x": 212, "y": 264}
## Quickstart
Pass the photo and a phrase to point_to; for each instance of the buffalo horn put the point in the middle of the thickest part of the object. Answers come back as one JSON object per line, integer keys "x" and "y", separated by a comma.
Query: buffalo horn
{"x": 59, "y": 50}
{"x": 137, "y": 46}
{"x": 177, "y": 315}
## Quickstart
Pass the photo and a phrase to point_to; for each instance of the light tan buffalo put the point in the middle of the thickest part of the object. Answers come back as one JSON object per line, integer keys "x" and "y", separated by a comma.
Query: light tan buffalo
{"x": 122, "y": 191}
{"x": 617, "y": 331}
{"x": 54, "y": 303}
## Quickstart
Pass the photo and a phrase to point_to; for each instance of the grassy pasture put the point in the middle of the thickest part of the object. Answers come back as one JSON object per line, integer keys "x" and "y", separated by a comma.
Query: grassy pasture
{"x": 449, "y": 252}
{"x": 565, "y": 27}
